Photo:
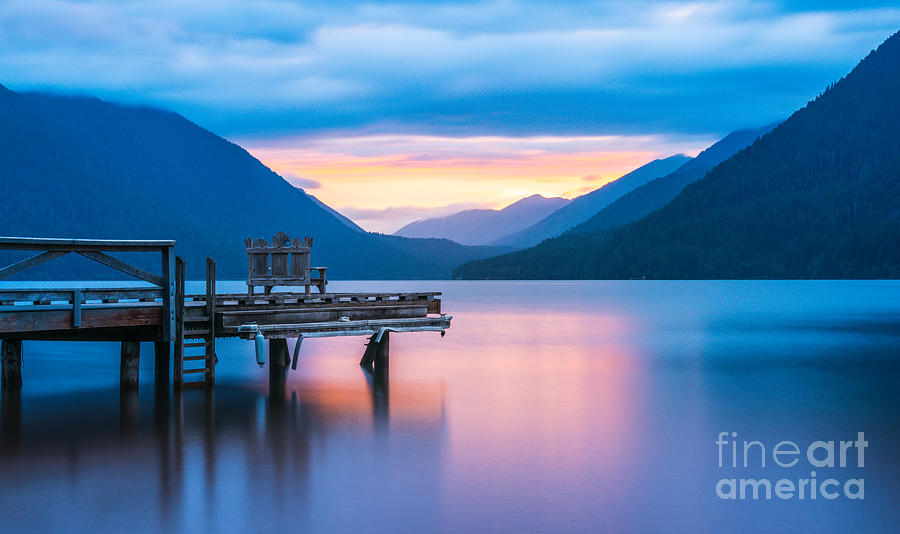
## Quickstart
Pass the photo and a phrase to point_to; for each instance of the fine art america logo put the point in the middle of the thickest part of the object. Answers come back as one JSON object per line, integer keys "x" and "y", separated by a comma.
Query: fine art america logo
{"x": 789, "y": 458}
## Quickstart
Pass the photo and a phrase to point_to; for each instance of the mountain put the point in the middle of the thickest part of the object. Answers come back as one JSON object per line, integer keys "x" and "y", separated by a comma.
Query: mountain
{"x": 817, "y": 197}
{"x": 584, "y": 207}
{"x": 481, "y": 227}
{"x": 81, "y": 167}
{"x": 335, "y": 213}
{"x": 441, "y": 252}
{"x": 655, "y": 194}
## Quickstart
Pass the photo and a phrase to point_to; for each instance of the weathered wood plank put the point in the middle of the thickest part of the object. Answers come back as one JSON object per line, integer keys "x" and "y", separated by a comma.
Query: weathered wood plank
{"x": 343, "y": 328}
{"x": 72, "y": 245}
{"x": 230, "y": 319}
{"x": 178, "y": 306}
{"x": 167, "y": 264}
{"x": 28, "y": 263}
{"x": 114, "y": 334}
{"x": 76, "y": 308}
{"x": 87, "y": 294}
{"x": 120, "y": 265}
{"x": 211, "y": 313}
{"x": 289, "y": 294}
{"x": 53, "y": 318}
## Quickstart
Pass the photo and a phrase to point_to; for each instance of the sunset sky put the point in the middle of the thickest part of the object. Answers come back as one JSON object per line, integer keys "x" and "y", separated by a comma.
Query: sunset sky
{"x": 395, "y": 111}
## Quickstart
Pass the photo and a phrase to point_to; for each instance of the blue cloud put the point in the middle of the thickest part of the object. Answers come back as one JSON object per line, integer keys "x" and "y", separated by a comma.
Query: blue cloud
{"x": 511, "y": 67}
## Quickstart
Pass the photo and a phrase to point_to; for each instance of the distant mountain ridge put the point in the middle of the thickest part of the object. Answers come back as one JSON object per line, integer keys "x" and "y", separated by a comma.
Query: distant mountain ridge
{"x": 338, "y": 215}
{"x": 584, "y": 207}
{"x": 655, "y": 194}
{"x": 817, "y": 197}
{"x": 483, "y": 226}
{"x": 81, "y": 167}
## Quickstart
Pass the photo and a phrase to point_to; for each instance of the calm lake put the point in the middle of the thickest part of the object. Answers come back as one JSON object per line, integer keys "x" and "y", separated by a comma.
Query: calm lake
{"x": 548, "y": 407}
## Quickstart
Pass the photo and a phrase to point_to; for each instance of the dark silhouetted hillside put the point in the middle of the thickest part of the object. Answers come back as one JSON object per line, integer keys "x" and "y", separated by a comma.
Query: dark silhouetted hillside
{"x": 818, "y": 197}
{"x": 80, "y": 167}
{"x": 584, "y": 207}
{"x": 653, "y": 195}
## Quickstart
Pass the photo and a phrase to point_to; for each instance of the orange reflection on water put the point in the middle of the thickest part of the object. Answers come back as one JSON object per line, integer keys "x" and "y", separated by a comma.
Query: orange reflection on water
{"x": 357, "y": 400}
{"x": 553, "y": 388}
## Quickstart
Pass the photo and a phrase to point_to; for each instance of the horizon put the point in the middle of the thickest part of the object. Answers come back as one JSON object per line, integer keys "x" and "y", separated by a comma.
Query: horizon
{"x": 402, "y": 112}
{"x": 449, "y": 266}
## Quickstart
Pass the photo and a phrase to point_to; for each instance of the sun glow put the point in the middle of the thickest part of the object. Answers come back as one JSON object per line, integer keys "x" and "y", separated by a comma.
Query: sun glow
{"x": 385, "y": 181}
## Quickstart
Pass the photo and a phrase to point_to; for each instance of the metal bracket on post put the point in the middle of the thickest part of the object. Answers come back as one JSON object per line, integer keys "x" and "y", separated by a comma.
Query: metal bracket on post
{"x": 296, "y": 353}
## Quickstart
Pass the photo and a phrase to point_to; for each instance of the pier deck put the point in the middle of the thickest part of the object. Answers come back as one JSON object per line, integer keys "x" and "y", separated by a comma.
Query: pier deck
{"x": 178, "y": 323}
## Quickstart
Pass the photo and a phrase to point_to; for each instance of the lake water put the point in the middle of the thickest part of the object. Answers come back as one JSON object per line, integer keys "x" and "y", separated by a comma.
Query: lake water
{"x": 548, "y": 407}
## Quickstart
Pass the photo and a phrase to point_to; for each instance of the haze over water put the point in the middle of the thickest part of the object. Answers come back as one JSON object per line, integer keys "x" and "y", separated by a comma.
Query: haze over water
{"x": 548, "y": 406}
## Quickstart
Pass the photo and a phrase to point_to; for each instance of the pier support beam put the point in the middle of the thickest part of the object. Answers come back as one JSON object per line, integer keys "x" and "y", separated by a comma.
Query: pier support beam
{"x": 130, "y": 365}
{"x": 11, "y": 356}
{"x": 279, "y": 359}
{"x": 377, "y": 352}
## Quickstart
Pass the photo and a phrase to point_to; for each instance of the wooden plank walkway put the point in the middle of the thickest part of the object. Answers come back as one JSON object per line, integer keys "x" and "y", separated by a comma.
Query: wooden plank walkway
{"x": 180, "y": 323}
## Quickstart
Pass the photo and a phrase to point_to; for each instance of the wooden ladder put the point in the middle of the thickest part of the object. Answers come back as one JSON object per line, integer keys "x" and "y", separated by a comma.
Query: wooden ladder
{"x": 195, "y": 332}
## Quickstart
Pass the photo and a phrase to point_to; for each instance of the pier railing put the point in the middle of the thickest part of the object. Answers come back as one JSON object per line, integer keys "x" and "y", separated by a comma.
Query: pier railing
{"x": 77, "y": 299}
{"x": 163, "y": 313}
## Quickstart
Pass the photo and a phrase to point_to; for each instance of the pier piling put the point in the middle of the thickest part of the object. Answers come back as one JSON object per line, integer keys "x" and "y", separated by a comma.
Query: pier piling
{"x": 184, "y": 327}
{"x": 377, "y": 351}
{"x": 130, "y": 364}
{"x": 12, "y": 364}
{"x": 278, "y": 363}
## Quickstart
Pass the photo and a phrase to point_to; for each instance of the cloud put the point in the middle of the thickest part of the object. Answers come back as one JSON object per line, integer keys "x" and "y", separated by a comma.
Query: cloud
{"x": 299, "y": 181}
{"x": 392, "y": 218}
{"x": 417, "y": 212}
{"x": 429, "y": 171}
{"x": 508, "y": 67}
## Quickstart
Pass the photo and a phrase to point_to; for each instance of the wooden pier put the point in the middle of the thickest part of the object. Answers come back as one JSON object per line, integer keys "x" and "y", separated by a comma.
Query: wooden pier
{"x": 184, "y": 327}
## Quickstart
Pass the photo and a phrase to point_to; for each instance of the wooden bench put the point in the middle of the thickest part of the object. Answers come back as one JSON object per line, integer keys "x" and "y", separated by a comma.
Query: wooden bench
{"x": 283, "y": 263}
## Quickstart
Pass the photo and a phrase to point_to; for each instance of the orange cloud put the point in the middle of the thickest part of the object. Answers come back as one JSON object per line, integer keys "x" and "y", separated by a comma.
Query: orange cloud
{"x": 377, "y": 172}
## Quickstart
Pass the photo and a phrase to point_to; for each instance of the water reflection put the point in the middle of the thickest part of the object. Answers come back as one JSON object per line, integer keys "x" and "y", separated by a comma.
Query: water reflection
{"x": 229, "y": 459}
{"x": 548, "y": 407}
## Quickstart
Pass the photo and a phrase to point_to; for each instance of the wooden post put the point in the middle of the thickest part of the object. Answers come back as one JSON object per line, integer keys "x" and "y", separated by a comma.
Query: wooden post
{"x": 377, "y": 352}
{"x": 178, "y": 356}
{"x": 211, "y": 313}
{"x": 382, "y": 351}
{"x": 11, "y": 351}
{"x": 369, "y": 355}
{"x": 168, "y": 291}
{"x": 278, "y": 362}
{"x": 130, "y": 364}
